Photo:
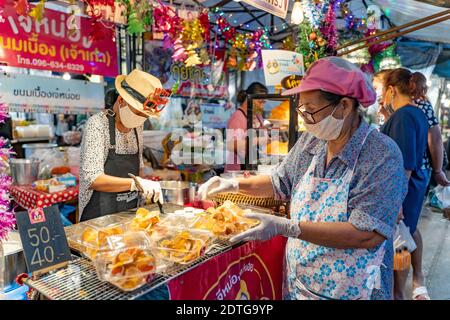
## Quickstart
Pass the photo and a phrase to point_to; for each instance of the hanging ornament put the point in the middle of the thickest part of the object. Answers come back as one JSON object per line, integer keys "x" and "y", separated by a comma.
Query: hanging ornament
{"x": 203, "y": 18}
{"x": 232, "y": 60}
{"x": 179, "y": 53}
{"x": 328, "y": 28}
{"x": 167, "y": 20}
{"x": 204, "y": 56}
{"x": 193, "y": 59}
{"x": 22, "y": 7}
{"x": 288, "y": 44}
{"x": 135, "y": 24}
{"x": 38, "y": 11}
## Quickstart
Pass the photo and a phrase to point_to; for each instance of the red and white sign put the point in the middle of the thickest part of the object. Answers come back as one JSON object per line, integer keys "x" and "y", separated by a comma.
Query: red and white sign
{"x": 253, "y": 271}
{"x": 49, "y": 44}
{"x": 278, "y": 8}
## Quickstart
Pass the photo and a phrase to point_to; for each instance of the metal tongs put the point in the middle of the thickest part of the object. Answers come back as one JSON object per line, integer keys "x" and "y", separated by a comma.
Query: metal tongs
{"x": 141, "y": 190}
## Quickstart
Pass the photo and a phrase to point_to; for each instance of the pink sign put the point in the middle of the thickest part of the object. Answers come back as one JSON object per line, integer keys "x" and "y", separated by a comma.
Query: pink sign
{"x": 55, "y": 43}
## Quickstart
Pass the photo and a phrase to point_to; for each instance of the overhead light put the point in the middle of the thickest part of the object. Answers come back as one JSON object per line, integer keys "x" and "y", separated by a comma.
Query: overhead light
{"x": 448, "y": 85}
{"x": 297, "y": 13}
{"x": 66, "y": 76}
{"x": 428, "y": 83}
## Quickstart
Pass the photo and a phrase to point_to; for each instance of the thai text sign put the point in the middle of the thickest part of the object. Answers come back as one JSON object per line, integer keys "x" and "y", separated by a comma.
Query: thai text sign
{"x": 253, "y": 271}
{"x": 51, "y": 44}
{"x": 276, "y": 7}
{"x": 45, "y": 92}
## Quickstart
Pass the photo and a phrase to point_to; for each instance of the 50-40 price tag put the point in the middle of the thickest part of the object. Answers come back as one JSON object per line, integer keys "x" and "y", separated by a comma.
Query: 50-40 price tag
{"x": 43, "y": 239}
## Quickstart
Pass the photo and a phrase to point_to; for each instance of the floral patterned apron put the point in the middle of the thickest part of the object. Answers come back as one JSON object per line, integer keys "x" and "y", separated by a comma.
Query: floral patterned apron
{"x": 317, "y": 272}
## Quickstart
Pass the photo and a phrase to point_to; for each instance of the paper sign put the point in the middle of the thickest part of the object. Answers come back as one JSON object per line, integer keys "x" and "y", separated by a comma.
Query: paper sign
{"x": 278, "y": 8}
{"x": 75, "y": 95}
{"x": 279, "y": 64}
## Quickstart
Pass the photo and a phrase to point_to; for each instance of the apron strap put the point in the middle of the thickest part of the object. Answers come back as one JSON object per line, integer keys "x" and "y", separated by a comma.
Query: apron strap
{"x": 112, "y": 130}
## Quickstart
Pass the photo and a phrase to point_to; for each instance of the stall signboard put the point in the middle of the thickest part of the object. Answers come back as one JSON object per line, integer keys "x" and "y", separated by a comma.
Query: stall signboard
{"x": 22, "y": 92}
{"x": 276, "y": 7}
{"x": 279, "y": 64}
{"x": 253, "y": 271}
{"x": 215, "y": 115}
{"x": 57, "y": 42}
{"x": 43, "y": 239}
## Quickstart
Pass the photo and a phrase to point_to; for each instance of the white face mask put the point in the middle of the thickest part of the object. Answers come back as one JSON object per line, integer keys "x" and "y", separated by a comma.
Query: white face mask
{"x": 129, "y": 119}
{"x": 327, "y": 129}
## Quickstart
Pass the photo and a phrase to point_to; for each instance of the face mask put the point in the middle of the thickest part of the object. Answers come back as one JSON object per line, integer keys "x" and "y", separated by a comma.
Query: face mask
{"x": 327, "y": 129}
{"x": 129, "y": 119}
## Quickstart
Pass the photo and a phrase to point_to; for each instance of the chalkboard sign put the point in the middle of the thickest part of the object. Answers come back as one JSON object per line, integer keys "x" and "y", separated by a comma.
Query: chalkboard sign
{"x": 43, "y": 239}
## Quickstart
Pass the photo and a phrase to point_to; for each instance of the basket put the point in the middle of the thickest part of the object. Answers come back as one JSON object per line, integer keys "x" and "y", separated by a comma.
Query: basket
{"x": 242, "y": 199}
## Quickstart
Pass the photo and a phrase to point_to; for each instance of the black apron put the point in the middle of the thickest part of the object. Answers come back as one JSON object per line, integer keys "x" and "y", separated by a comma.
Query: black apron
{"x": 117, "y": 165}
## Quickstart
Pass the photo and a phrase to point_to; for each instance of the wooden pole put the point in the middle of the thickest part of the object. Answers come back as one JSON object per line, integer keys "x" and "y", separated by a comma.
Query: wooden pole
{"x": 396, "y": 35}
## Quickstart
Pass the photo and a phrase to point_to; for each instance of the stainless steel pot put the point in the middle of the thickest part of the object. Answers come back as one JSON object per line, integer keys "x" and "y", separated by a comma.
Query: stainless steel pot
{"x": 14, "y": 259}
{"x": 178, "y": 192}
{"x": 31, "y": 148}
{"x": 24, "y": 171}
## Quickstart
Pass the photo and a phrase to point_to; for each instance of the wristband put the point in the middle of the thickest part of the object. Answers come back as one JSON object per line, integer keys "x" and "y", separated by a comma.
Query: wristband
{"x": 433, "y": 172}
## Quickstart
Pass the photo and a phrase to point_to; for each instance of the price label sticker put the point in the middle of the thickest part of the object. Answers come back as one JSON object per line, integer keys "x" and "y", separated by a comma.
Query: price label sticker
{"x": 43, "y": 239}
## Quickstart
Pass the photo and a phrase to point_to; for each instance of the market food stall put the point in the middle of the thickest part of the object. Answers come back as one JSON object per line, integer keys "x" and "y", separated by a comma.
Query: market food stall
{"x": 228, "y": 271}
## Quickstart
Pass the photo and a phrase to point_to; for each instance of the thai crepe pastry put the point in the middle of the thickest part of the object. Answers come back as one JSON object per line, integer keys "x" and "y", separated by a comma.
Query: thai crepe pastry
{"x": 144, "y": 219}
{"x": 95, "y": 240}
{"x": 225, "y": 221}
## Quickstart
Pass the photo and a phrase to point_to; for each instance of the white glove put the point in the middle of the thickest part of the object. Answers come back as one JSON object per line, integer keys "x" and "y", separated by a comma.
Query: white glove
{"x": 150, "y": 189}
{"x": 217, "y": 185}
{"x": 269, "y": 227}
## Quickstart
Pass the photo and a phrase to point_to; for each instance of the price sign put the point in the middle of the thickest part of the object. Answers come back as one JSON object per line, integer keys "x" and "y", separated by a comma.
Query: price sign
{"x": 43, "y": 239}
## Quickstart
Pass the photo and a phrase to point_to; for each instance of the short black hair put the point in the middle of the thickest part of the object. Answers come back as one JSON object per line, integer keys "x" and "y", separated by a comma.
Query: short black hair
{"x": 110, "y": 98}
{"x": 255, "y": 87}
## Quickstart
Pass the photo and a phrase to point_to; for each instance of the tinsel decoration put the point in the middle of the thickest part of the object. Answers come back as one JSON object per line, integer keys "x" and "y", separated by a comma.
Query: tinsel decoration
{"x": 311, "y": 43}
{"x": 314, "y": 11}
{"x": 99, "y": 30}
{"x": 179, "y": 53}
{"x": 328, "y": 28}
{"x": 38, "y": 11}
{"x": 167, "y": 21}
{"x": 193, "y": 33}
{"x": 22, "y": 7}
{"x": 387, "y": 59}
{"x": 7, "y": 218}
{"x": 135, "y": 24}
{"x": 203, "y": 18}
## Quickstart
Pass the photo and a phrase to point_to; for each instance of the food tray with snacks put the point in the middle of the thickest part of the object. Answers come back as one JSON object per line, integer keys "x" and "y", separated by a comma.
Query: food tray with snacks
{"x": 138, "y": 260}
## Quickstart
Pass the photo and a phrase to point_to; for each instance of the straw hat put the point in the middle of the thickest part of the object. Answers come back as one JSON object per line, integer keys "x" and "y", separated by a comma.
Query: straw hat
{"x": 140, "y": 87}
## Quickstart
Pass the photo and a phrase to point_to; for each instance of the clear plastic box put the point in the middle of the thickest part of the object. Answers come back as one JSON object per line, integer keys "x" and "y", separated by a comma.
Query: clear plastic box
{"x": 90, "y": 237}
{"x": 128, "y": 262}
{"x": 180, "y": 245}
{"x": 144, "y": 219}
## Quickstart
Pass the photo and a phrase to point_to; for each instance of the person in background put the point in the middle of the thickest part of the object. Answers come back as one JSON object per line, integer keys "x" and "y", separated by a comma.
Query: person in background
{"x": 435, "y": 144}
{"x": 112, "y": 147}
{"x": 408, "y": 127}
{"x": 62, "y": 127}
{"x": 238, "y": 125}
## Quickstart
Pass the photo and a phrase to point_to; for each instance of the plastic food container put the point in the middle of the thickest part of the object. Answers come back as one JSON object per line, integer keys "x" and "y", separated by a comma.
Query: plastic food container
{"x": 180, "y": 245}
{"x": 225, "y": 221}
{"x": 144, "y": 219}
{"x": 179, "y": 220}
{"x": 128, "y": 262}
{"x": 91, "y": 237}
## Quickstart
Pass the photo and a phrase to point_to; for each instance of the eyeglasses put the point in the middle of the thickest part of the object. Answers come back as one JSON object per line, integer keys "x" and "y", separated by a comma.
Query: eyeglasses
{"x": 156, "y": 101}
{"x": 309, "y": 116}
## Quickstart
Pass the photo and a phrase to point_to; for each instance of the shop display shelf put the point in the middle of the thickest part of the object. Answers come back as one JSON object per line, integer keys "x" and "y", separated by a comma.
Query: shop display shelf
{"x": 79, "y": 281}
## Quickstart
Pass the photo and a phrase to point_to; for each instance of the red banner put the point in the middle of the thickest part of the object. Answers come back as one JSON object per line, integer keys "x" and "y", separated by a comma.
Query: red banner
{"x": 253, "y": 271}
{"x": 56, "y": 43}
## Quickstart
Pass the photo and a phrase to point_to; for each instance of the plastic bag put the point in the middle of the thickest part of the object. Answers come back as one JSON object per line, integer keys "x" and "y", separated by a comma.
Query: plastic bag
{"x": 48, "y": 160}
{"x": 403, "y": 238}
{"x": 442, "y": 194}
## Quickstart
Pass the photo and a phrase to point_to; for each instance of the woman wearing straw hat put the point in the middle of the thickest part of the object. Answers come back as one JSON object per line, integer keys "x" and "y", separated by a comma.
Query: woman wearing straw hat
{"x": 112, "y": 148}
{"x": 345, "y": 182}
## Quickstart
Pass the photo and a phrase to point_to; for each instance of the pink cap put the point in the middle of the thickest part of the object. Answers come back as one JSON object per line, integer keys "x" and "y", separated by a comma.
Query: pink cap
{"x": 338, "y": 76}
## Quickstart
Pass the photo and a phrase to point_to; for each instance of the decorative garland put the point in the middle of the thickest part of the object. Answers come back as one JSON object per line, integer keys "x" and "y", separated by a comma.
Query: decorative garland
{"x": 311, "y": 43}
{"x": 328, "y": 28}
{"x": 7, "y": 218}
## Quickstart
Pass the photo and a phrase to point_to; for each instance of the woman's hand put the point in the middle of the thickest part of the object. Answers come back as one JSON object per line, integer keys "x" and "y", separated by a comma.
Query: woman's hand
{"x": 150, "y": 189}
{"x": 441, "y": 179}
{"x": 217, "y": 185}
{"x": 269, "y": 227}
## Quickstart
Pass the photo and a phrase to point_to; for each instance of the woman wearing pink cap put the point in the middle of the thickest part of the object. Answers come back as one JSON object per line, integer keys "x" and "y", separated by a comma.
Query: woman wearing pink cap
{"x": 346, "y": 184}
